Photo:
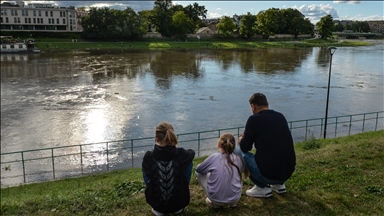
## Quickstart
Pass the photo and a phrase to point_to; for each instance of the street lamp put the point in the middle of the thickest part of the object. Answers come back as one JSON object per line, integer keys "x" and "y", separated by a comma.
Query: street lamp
{"x": 332, "y": 50}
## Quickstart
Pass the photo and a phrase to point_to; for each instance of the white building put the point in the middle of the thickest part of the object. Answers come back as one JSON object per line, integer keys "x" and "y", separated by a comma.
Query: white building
{"x": 18, "y": 16}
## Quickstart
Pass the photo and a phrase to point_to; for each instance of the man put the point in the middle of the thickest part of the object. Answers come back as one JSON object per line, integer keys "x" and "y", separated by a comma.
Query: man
{"x": 275, "y": 159}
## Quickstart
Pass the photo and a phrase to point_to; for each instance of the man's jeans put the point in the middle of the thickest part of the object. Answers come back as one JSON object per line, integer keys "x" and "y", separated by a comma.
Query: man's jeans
{"x": 188, "y": 173}
{"x": 255, "y": 176}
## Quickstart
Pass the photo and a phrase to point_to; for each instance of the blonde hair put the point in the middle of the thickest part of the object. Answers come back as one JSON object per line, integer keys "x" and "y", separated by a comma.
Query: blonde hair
{"x": 165, "y": 134}
{"x": 227, "y": 143}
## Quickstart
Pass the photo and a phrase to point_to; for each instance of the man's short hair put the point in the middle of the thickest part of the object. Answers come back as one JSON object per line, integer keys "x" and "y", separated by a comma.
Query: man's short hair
{"x": 258, "y": 99}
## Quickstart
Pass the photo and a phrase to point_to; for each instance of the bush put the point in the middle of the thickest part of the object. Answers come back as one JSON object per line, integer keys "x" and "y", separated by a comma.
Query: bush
{"x": 312, "y": 143}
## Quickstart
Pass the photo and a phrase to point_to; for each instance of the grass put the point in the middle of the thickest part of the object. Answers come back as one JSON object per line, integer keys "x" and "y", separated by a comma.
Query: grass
{"x": 67, "y": 44}
{"x": 342, "y": 176}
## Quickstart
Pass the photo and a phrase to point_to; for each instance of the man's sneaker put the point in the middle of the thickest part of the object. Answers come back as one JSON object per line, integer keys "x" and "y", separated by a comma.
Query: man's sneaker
{"x": 279, "y": 188}
{"x": 259, "y": 192}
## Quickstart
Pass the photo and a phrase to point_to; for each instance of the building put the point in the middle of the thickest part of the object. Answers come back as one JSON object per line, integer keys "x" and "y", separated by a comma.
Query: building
{"x": 376, "y": 26}
{"x": 18, "y": 16}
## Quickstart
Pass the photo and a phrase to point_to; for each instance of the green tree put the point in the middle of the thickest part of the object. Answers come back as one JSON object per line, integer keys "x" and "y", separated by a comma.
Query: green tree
{"x": 197, "y": 13}
{"x": 270, "y": 22}
{"x": 130, "y": 24}
{"x": 360, "y": 26}
{"x": 325, "y": 26}
{"x": 339, "y": 27}
{"x": 99, "y": 23}
{"x": 182, "y": 25}
{"x": 162, "y": 17}
{"x": 248, "y": 26}
{"x": 226, "y": 26}
{"x": 296, "y": 23}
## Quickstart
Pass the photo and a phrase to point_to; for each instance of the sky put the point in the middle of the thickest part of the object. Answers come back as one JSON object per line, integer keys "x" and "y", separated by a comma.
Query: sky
{"x": 314, "y": 10}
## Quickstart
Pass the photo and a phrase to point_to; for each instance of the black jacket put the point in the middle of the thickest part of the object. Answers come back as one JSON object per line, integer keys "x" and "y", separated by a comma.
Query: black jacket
{"x": 168, "y": 188}
{"x": 275, "y": 156}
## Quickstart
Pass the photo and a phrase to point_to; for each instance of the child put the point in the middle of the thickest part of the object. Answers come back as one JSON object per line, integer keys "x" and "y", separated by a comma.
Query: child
{"x": 220, "y": 174}
{"x": 167, "y": 172}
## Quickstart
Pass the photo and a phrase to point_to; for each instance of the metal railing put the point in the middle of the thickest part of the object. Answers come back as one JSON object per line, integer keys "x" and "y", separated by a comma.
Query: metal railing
{"x": 70, "y": 161}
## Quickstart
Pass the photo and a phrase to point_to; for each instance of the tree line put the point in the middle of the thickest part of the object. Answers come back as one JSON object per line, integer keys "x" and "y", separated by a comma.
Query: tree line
{"x": 177, "y": 21}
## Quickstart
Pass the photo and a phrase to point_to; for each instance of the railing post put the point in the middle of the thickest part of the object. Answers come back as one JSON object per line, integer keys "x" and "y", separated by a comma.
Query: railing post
{"x": 22, "y": 161}
{"x": 350, "y": 125}
{"x": 81, "y": 160}
{"x": 107, "y": 157}
{"x": 377, "y": 118}
{"x": 133, "y": 163}
{"x": 198, "y": 144}
{"x": 363, "y": 124}
{"x": 53, "y": 164}
{"x": 336, "y": 126}
{"x": 306, "y": 130}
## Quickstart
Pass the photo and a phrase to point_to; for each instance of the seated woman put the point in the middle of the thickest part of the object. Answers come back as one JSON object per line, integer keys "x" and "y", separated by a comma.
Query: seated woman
{"x": 167, "y": 172}
{"x": 220, "y": 175}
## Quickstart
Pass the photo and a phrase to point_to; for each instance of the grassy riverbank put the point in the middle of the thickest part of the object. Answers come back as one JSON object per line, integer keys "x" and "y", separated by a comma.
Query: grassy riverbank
{"x": 67, "y": 44}
{"x": 342, "y": 176}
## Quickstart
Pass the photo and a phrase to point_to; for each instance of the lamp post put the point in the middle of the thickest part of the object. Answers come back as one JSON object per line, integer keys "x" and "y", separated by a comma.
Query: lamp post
{"x": 332, "y": 50}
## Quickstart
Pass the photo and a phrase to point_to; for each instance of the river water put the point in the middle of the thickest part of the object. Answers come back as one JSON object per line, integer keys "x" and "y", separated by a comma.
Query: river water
{"x": 62, "y": 98}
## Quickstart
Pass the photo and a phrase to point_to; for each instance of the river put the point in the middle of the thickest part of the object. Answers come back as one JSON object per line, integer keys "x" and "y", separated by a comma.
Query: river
{"x": 60, "y": 98}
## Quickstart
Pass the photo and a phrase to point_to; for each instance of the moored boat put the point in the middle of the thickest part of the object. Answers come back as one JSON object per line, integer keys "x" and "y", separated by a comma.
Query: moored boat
{"x": 10, "y": 45}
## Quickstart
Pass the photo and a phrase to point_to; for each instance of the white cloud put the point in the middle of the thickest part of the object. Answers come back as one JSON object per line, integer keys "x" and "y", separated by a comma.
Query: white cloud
{"x": 218, "y": 8}
{"x": 211, "y": 15}
{"x": 346, "y": 1}
{"x": 315, "y": 12}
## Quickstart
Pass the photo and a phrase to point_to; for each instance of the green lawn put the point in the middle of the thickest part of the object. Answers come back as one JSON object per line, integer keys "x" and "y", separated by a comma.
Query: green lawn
{"x": 340, "y": 176}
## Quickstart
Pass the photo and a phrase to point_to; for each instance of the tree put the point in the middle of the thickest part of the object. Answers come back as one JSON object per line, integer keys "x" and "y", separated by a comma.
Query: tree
{"x": 325, "y": 26}
{"x": 226, "y": 26}
{"x": 269, "y": 22}
{"x": 248, "y": 26}
{"x": 99, "y": 23}
{"x": 182, "y": 24}
{"x": 296, "y": 23}
{"x": 196, "y": 13}
{"x": 360, "y": 26}
{"x": 162, "y": 17}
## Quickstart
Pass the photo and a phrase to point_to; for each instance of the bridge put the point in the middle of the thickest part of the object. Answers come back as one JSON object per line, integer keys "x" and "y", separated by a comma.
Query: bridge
{"x": 355, "y": 34}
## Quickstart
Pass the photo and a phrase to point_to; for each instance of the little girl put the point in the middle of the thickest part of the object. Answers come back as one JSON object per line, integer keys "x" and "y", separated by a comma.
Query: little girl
{"x": 220, "y": 174}
{"x": 167, "y": 171}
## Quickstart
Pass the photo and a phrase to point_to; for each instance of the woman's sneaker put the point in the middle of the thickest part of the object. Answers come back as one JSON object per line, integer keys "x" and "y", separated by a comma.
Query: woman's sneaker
{"x": 279, "y": 188}
{"x": 259, "y": 192}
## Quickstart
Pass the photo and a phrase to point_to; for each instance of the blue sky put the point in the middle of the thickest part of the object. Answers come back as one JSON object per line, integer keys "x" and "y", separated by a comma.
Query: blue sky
{"x": 314, "y": 10}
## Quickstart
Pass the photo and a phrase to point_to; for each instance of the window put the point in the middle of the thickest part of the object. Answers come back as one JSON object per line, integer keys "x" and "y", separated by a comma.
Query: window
{"x": 41, "y": 20}
{"x": 39, "y": 13}
{"x": 29, "y": 20}
{"x": 6, "y": 20}
{"x": 18, "y": 19}
{"x": 34, "y": 13}
{"x": 34, "y": 20}
{"x": 12, "y": 46}
{"x": 12, "y": 13}
{"x": 4, "y": 12}
{"x": 51, "y": 13}
{"x": 61, "y": 14}
{"x": 49, "y": 20}
{"x": 20, "y": 46}
{"x": 57, "y": 21}
{"x": 26, "y": 20}
{"x": 15, "y": 19}
{"x": 22, "y": 13}
{"x": 53, "y": 21}
{"x": 63, "y": 21}
{"x": 26, "y": 12}
{"x": 46, "y": 13}
{"x": 1, "y": 19}
{"x": 70, "y": 21}
{"x": 4, "y": 46}
{"x": 15, "y": 12}
{"x": 70, "y": 14}
{"x": 38, "y": 21}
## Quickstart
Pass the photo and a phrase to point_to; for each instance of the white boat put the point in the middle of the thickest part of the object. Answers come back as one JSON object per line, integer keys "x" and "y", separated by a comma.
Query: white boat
{"x": 10, "y": 45}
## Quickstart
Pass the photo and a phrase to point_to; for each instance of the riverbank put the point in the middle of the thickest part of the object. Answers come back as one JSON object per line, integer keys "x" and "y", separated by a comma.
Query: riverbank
{"x": 66, "y": 44}
{"x": 341, "y": 176}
